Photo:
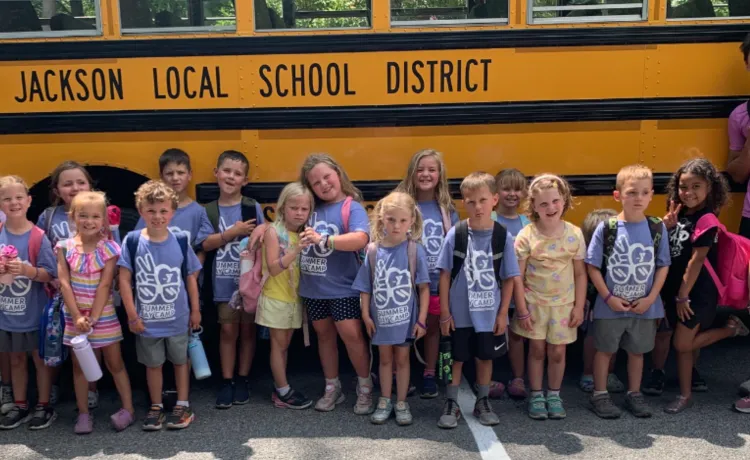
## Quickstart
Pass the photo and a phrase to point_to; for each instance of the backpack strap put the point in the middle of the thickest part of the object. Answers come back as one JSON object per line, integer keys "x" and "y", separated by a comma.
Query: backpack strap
{"x": 131, "y": 243}
{"x": 49, "y": 215}
{"x": 655, "y": 226}
{"x": 499, "y": 235}
{"x": 446, "y": 216}
{"x": 524, "y": 220}
{"x": 182, "y": 240}
{"x": 411, "y": 254}
{"x": 346, "y": 211}
{"x": 609, "y": 236}
{"x": 212, "y": 211}
{"x": 705, "y": 223}
{"x": 459, "y": 248}
{"x": 372, "y": 252}
{"x": 249, "y": 209}
{"x": 35, "y": 244}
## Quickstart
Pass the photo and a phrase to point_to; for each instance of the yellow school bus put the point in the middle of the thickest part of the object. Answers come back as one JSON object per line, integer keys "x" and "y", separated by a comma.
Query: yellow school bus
{"x": 574, "y": 87}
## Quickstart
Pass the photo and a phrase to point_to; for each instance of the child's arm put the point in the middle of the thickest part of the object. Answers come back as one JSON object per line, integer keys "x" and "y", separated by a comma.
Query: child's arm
{"x": 352, "y": 241}
{"x": 616, "y": 304}
{"x": 276, "y": 263}
{"x": 194, "y": 297}
{"x": 217, "y": 240}
{"x": 424, "y": 306}
{"x": 364, "y": 301}
{"x": 103, "y": 290}
{"x": 446, "y": 320}
{"x": 579, "y": 271}
{"x": 506, "y": 293}
{"x": 126, "y": 292}
{"x": 81, "y": 322}
{"x": 684, "y": 312}
{"x": 641, "y": 305}
{"x": 38, "y": 274}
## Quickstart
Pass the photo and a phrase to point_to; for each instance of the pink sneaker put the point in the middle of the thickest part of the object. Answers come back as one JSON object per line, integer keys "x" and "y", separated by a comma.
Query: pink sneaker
{"x": 743, "y": 405}
{"x": 517, "y": 389}
{"x": 84, "y": 424}
{"x": 496, "y": 390}
{"x": 122, "y": 419}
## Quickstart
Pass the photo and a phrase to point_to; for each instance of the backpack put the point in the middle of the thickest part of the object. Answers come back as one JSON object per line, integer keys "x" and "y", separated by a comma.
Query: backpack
{"x": 499, "y": 235}
{"x": 411, "y": 254}
{"x": 51, "y": 332}
{"x": 131, "y": 241}
{"x": 655, "y": 226}
{"x": 446, "y": 216}
{"x": 252, "y": 278}
{"x": 733, "y": 260}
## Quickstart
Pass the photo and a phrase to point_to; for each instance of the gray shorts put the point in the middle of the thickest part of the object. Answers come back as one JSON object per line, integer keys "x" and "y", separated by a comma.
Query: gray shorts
{"x": 154, "y": 351}
{"x": 634, "y": 335}
{"x": 18, "y": 342}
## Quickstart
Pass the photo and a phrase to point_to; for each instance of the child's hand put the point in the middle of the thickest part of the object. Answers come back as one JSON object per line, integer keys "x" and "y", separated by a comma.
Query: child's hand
{"x": 83, "y": 324}
{"x": 15, "y": 267}
{"x": 576, "y": 318}
{"x": 670, "y": 219}
{"x": 257, "y": 236}
{"x": 641, "y": 305}
{"x": 501, "y": 324}
{"x": 448, "y": 326}
{"x": 244, "y": 228}
{"x": 684, "y": 312}
{"x": 136, "y": 326}
{"x": 195, "y": 320}
{"x": 617, "y": 304}
{"x": 311, "y": 237}
{"x": 526, "y": 324}
{"x": 418, "y": 332}
{"x": 369, "y": 325}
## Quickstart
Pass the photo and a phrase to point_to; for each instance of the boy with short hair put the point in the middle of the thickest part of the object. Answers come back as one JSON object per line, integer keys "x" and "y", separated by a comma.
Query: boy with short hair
{"x": 627, "y": 261}
{"x": 233, "y": 217}
{"x": 478, "y": 266}
{"x": 163, "y": 269}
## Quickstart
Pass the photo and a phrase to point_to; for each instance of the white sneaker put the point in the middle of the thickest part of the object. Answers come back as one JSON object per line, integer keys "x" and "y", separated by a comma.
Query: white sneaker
{"x": 6, "y": 399}
{"x": 93, "y": 399}
{"x": 53, "y": 395}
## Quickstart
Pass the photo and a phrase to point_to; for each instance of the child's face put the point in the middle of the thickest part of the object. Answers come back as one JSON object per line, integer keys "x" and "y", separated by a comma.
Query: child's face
{"x": 156, "y": 215}
{"x": 231, "y": 175}
{"x": 397, "y": 222}
{"x": 428, "y": 174}
{"x": 176, "y": 176}
{"x": 635, "y": 195}
{"x": 480, "y": 203}
{"x": 14, "y": 201}
{"x": 89, "y": 219}
{"x": 549, "y": 205}
{"x": 297, "y": 210}
{"x": 71, "y": 183}
{"x": 692, "y": 190}
{"x": 510, "y": 198}
{"x": 325, "y": 182}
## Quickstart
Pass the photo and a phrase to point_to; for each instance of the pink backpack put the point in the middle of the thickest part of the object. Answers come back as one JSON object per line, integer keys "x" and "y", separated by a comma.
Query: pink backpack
{"x": 731, "y": 273}
{"x": 252, "y": 278}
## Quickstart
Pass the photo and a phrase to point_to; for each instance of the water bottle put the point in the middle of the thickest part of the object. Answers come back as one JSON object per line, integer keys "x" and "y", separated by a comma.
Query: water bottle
{"x": 198, "y": 356}
{"x": 86, "y": 359}
{"x": 445, "y": 361}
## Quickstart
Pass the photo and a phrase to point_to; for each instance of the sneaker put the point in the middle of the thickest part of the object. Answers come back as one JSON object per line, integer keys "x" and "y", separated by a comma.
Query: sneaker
{"x": 403, "y": 414}
{"x": 154, "y": 419}
{"x": 744, "y": 388}
{"x": 555, "y": 408}
{"x": 225, "y": 396}
{"x": 517, "y": 389}
{"x": 538, "y": 407}
{"x": 180, "y": 417}
{"x": 429, "y": 387}
{"x": 15, "y": 418}
{"x": 364, "y": 404}
{"x": 122, "y": 419}
{"x": 497, "y": 390}
{"x": 743, "y": 405}
{"x": 586, "y": 384}
{"x": 93, "y": 400}
{"x": 54, "y": 394}
{"x": 603, "y": 407}
{"x": 43, "y": 417}
{"x": 241, "y": 393}
{"x": 637, "y": 406}
{"x": 678, "y": 405}
{"x": 292, "y": 400}
{"x": 451, "y": 414}
{"x": 6, "y": 399}
{"x": 84, "y": 424}
{"x": 332, "y": 396}
{"x": 655, "y": 386}
{"x": 740, "y": 330}
{"x": 614, "y": 384}
{"x": 483, "y": 412}
{"x": 699, "y": 385}
{"x": 383, "y": 411}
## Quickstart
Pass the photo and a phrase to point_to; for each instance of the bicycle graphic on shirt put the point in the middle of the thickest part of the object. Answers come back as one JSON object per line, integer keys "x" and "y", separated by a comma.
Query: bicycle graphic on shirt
{"x": 479, "y": 270}
{"x": 231, "y": 250}
{"x": 392, "y": 286}
{"x": 156, "y": 281}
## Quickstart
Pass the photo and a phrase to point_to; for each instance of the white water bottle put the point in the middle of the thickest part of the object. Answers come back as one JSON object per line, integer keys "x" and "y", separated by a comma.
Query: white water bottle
{"x": 86, "y": 359}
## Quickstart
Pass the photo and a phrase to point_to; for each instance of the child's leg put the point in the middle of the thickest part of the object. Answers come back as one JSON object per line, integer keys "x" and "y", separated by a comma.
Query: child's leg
{"x": 403, "y": 371}
{"x": 537, "y": 354}
{"x": 116, "y": 366}
{"x": 555, "y": 366}
{"x": 661, "y": 350}
{"x": 384, "y": 371}
{"x": 432, "y": 343}
{"x": 182, "y": 381}
{"x": 484, "y": 372}
{"x": 228, "y": 349}
{"x": 43, "y": 383}
{"x": 327, "y": 347}
{"x": 247, "y": 348}
{"x": 80, "y": 384}
{"x": 635, "y": 372}
{"x": 601, "y": 370}
{"x": 154, "y": 382}
{"x": 515, "y": 354}
{"x": 350, "y": 331}
{"x": 280, "y": 339}
{"x": 5, "y": 368}
{"x": 588, "y": 355}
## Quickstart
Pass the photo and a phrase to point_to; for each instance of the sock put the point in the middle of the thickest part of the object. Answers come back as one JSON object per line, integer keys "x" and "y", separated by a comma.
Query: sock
{"x": 537, "y": 393}
{"x": 632, "y": 393}
{"x": 182, "y": 403}
{"x": 553, "y": 392}
{"x": 365, "y": 382}
{"x": 483, "y": 391}
{"x": 283, "y": 391}
{"x": 161, "y": 406}
{"x": 24, "y": 405}
{"x": 429, "y": 373}
{"x": 228, "y": 382}
{"x": 599, "y": 393}
{"x": 334, "y": 382}
{"x": 42, "y": 404}
{"x": 451, "y": 392}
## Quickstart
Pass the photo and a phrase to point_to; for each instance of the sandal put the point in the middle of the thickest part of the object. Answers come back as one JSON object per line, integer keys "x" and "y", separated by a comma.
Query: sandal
{"x": 586, "y": 384}
{"x": 739, "y": 327}
{"x": 679, "y": 405}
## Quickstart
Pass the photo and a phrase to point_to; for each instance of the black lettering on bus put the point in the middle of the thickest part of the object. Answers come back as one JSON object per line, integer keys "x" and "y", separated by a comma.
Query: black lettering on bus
{"x": 268, "y": 213}
{"x": 418, "y": 73}
{"x": 316, "y": 69}
{"x": 24, "y": 92}
{"x": 281, "y": 93}
{"x": 80, "y": 73}
{"x": 393, "y": 79}
{"x": 98, "y": 84}
{"x": 36, "y": 87}
{"x": 47, "y": 74}
{"x": 432, "y": 65}
{"x": 65, "y": 88}
{"x": 115, "y": 84}
{"x": 157, "y": 94}
{"x": 446, "y": 71}
{"x": 268, "y": 92}
{"x": 406, "y": 77}
{"x": 298, "y": 79}
{"x": 189, "y": 94}
{"x": 219, "y": 94}
{"x": 471, "y": 87}
{"x": 173, "y": 75}
{"x": 206, "y": 83}
{"x": 347, "y": 91}
{"x": 486, "y": 63}
{"x": 330, "y": 80}
{"x": 459, "y": 71}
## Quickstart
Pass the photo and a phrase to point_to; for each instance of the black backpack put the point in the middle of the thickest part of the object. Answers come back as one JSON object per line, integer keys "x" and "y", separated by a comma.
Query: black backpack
{"x": 499, "y": 235}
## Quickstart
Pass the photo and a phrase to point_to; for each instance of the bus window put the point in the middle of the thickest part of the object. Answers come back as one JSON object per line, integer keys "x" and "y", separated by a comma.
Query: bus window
{"x": 49, "y": 18}
{"x": 178, "y": 16}
{"x": 435, "y": 12}
{"x": 311, "y": 14}
{"x": 573, "y": 11}
{"x": 708, "y": 9}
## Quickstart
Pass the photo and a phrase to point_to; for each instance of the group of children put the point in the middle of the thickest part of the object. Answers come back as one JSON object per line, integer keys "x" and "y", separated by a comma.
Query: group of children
{"x": 410, "y": 271}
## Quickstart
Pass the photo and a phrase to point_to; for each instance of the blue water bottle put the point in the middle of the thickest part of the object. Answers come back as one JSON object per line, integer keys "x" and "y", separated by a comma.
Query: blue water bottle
{"x": 198, "y": 356}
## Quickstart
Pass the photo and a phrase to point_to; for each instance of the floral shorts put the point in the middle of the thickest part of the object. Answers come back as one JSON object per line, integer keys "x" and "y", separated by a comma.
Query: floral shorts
{"x": 550, "y": 324}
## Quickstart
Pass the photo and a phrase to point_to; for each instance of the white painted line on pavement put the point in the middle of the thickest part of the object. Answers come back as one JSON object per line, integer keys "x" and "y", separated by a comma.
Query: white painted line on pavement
{"x": 490, "y": 448}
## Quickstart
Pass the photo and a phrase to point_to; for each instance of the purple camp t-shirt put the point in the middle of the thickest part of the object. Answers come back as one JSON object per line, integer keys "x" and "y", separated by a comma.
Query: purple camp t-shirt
{"x": 325, "y": 273}
{"x": 160, "y": 294}
{"x": 475, "y": 294}
{"x": 433, "y": 235}
{"x": 22, "y": 302}
{"x": 393, "y": 306}
{"x": 191, "y": 220}
{"x": 61, "y": 228}
{"x": 736, "y": 128}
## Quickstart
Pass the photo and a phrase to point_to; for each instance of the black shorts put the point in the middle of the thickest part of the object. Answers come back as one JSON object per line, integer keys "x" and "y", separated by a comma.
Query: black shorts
{"x": 339, "y": 309}
{"x": 467, "y": 344}
{"x": 704, "y": 315}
